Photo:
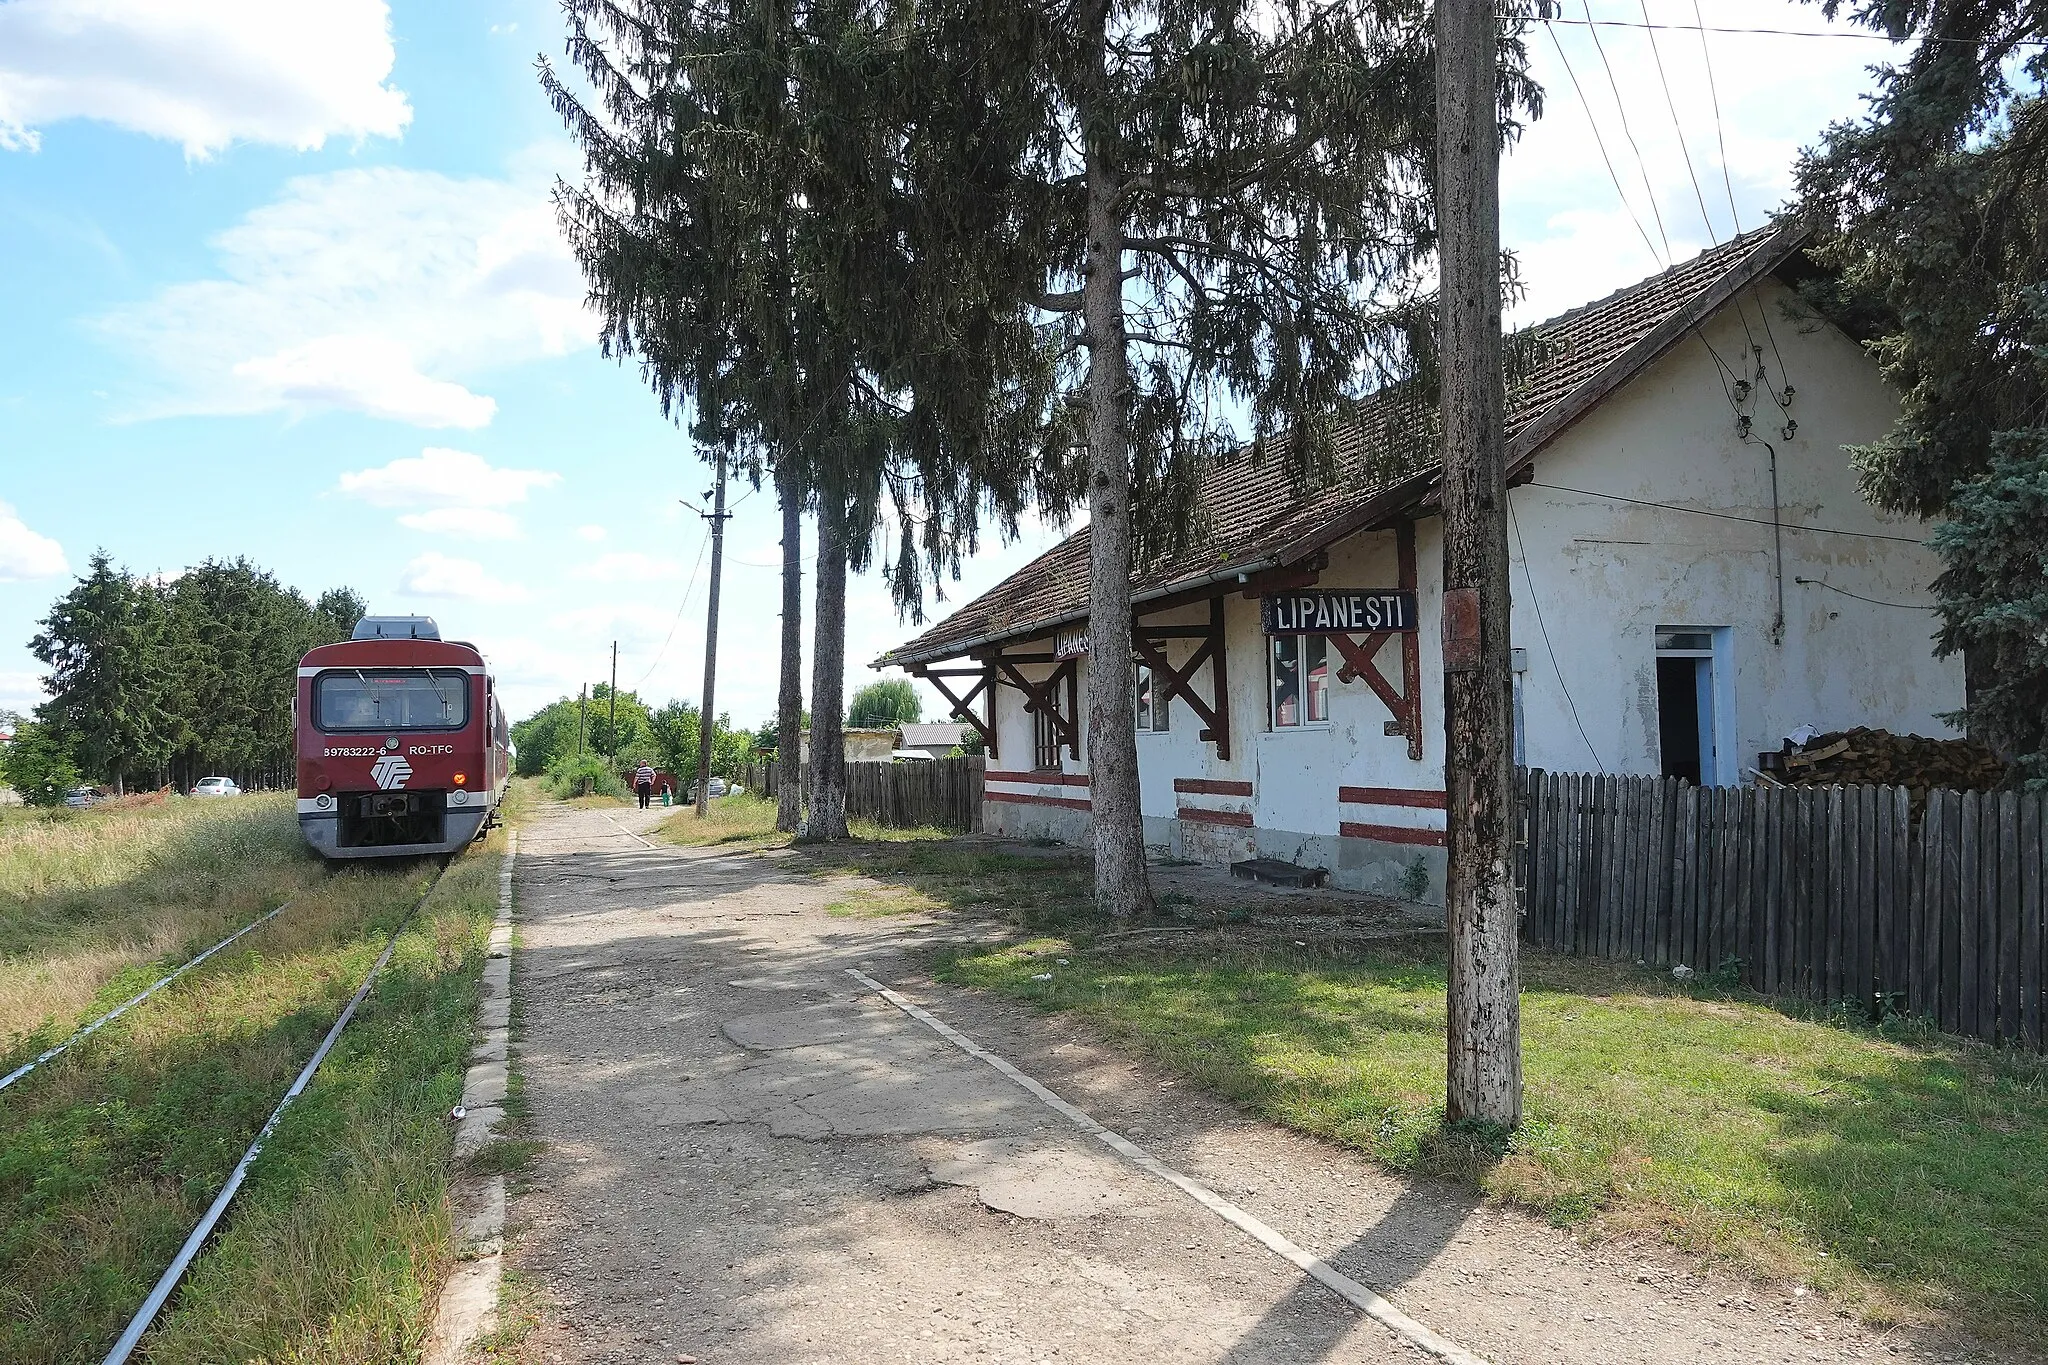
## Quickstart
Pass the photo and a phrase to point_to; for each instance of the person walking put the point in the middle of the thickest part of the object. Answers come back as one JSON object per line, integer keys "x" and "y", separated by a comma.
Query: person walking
{"x": 643, "y": 782}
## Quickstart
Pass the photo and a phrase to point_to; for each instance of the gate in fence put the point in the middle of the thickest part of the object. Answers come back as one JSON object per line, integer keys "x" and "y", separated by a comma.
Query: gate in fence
{"x": 1832, "y": 894}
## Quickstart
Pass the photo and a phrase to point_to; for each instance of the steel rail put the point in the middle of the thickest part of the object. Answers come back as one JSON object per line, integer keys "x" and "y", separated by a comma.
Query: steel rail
{"x": 115, "y": 1013}
{"x": 175, "y": 1272}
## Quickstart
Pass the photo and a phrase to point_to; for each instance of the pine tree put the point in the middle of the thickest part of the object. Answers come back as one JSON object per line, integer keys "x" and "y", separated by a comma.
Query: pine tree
{"x": 783, "y": 260}
{"x": 1933, "y": 213}
{"x": 106, "y": 683}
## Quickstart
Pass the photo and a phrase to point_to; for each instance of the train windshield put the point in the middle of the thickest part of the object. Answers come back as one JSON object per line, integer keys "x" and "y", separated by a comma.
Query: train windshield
{"x": 391, "y": 699}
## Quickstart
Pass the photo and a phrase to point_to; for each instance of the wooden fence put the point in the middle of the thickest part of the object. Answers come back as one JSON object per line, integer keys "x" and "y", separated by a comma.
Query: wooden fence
{"x": 1835, "y": 894}
{"x": 944, "y": 793}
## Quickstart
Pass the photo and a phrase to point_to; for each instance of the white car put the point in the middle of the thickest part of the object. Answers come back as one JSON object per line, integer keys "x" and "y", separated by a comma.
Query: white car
{"x": 216, "y": 786}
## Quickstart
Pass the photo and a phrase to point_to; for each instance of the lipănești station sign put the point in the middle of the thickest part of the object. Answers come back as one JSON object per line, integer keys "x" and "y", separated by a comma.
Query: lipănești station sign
{"x": 1324, "y": 611}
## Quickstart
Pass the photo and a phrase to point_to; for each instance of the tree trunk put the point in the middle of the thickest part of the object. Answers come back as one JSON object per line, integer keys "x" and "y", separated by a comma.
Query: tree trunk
{"x": 1122, "y": 886}
{"x": 827, "y": 818}
{"x": 1483, "y": 1035}
{"x": 789, "y": 706}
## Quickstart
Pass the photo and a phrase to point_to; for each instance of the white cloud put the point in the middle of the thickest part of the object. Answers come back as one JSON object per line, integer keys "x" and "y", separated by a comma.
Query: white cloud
{"x": 366, "y": 374}
{"x": 592, "y": 534}
{"x": 632, "y": 626}
{"x": 440, "y": 477}
{"x": 475, "y": 523}
{"x": 21, "y": 692}
{"x": 437, "y": 575}
{"x": 202, "y": 73}
{"x": 24, "y": 554}
{"x": 380, "y": 291}
{"x": 627, "y": 566}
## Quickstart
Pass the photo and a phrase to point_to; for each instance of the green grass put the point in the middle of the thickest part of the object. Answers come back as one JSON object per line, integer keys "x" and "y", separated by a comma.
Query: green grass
{"x": 749, "y": 819}
{"x": 1902, "y": 1171}
{"x": 108, "y": 1155}
{"x": 93, "y": 903}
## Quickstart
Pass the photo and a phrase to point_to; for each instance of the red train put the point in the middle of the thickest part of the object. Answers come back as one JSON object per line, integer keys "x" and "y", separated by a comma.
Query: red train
{"x": 403, "y": 747}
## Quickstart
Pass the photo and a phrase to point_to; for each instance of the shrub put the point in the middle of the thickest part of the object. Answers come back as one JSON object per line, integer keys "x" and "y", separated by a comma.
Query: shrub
{"x": 590, "y": 774}
{"x": 38, "y": 765}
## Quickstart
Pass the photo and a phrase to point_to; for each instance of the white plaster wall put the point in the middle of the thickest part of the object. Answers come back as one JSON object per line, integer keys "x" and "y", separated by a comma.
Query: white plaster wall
{"x": 1605, "y": 574}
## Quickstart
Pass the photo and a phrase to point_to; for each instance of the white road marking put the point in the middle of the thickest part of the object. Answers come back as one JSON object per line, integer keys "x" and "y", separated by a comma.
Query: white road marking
{"x": 1346, "y": 1288}
{"x": 627, "y": 832}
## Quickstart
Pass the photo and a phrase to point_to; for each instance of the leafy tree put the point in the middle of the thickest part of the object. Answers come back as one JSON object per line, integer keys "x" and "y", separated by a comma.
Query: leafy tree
{"x": 103, "y": 644}
{"x": 885, "y": 701}
{"x": 677, "y": 732}
{"x": 1933, "y": 213}
{"x": 38, "y": 765}
{"x": 629, "y": 735}
{"x": 1236, "y": 209}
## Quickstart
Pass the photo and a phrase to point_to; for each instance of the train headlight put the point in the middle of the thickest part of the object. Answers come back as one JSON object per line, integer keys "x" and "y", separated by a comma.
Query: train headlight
{"x": 461, "y": 778}
{"x": 323, "y": 800}
{"x": 460, "y": 798}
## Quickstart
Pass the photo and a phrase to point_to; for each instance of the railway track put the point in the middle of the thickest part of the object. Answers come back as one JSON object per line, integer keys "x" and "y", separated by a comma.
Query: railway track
{"x": 167, "y": 1283}
{"x": 193, "y": 1244}
{"x": 111, "y": 1015}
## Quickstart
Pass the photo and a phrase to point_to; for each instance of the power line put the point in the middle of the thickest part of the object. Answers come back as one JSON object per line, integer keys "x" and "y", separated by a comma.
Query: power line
{"x": 1598, "y": 141}
{"x": 1724, "y": 516}
{"x": 1779, "y": 32}
{"x": 681, "y": 607}
{"x": 1642, "y": 165}
{"x": 1723, "y": 372}
{"x": 1548, "y": 648}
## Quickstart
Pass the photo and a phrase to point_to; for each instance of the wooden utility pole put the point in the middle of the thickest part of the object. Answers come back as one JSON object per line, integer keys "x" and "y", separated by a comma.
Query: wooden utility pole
{"x": 582, "y": 708}
{"x": 705, "y": 717}
{"x": 615, "y": 704}
{"x": 1484, "y": 1035}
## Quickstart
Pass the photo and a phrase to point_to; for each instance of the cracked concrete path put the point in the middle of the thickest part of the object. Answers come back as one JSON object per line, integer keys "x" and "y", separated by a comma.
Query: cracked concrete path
{"x": 750, "y": 1159}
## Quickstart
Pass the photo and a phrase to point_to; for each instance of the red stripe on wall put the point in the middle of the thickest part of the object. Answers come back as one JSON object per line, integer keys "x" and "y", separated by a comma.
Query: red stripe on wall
{"x": 1393, "y": 834}
{"x": 1211, "y": 786}
{"x": 1044, "y": 779}
{"x": 1241, "y": 818}
{"x": 1394, "y": 796}
{"x": 1033, "y": 799}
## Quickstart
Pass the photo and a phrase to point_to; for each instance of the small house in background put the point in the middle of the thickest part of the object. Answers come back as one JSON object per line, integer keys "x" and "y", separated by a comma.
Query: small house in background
{"x": 934, "y": 738}
{"x": 1694, "y": 575}
{"x": 863, "y": 744}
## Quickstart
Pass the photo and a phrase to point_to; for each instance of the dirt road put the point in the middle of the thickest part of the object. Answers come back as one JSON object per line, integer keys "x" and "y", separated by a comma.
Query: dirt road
{"x": 751, "y": 1157}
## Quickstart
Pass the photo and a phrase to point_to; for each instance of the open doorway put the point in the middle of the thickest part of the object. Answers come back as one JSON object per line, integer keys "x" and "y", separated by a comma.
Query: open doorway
{"x": 1691, "y": 699}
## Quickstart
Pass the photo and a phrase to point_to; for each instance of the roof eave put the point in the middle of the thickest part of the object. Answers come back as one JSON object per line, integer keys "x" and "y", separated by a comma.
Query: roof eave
{"x": 1414, "y": 494}
{"x": 901, "y": 659}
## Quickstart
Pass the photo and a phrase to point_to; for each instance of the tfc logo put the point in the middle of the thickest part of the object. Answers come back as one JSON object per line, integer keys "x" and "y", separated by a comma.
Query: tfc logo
{"x": 391, "y": 772}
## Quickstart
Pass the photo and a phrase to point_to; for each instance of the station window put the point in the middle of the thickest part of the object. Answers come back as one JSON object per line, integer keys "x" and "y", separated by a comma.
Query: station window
{"x": 1300, "y": 666}
{"x": 1155, "y": 711}
{"x": 1045, "y": 742}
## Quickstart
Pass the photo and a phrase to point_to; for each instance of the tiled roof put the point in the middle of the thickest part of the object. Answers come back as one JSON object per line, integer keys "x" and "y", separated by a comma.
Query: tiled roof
{"x": 1386, "y": 462}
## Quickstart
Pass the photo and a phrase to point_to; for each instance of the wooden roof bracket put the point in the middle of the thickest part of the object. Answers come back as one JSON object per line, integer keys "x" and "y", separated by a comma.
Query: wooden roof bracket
{"x": 1171, "y": 682}
{"x": 963, "y": 707}
{"x": 1359, "y": 657}
{"x": 1044, "y": 697}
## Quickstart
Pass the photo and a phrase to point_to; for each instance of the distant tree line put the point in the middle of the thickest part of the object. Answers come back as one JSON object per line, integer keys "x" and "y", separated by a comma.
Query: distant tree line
{"x": 575, "y": 740}
{"x": 167, "y": 680}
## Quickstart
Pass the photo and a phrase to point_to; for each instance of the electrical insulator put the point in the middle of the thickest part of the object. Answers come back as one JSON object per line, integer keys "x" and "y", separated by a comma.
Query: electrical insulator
{"x": 1791, "y": 429}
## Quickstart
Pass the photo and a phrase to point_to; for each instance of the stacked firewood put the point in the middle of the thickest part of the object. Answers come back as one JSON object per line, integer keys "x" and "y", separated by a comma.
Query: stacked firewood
{"x": 1879, "y": 757}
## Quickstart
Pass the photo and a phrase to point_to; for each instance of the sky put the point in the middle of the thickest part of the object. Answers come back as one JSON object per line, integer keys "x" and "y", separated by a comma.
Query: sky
{"x": 281, "y": 279}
